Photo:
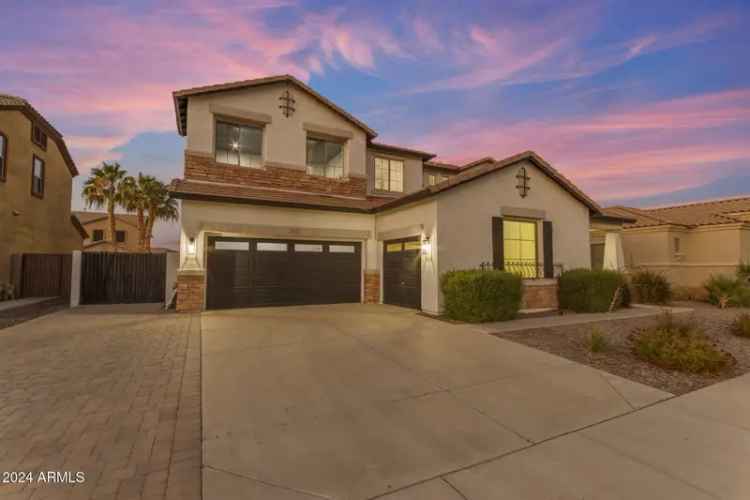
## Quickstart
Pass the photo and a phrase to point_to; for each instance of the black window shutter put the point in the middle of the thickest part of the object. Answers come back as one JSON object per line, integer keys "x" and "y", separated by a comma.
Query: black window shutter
{"x": 497, "y": 243}
{"x": 549, "y": 268}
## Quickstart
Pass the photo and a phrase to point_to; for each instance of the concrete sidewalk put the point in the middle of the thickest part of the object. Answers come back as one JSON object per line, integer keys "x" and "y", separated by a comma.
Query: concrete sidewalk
{"x": 636, "y": 311}
{"x": 696, "y": 446}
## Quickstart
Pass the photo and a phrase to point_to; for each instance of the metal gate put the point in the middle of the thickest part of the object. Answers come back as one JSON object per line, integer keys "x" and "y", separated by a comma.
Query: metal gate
{"x": 122, "y": 278}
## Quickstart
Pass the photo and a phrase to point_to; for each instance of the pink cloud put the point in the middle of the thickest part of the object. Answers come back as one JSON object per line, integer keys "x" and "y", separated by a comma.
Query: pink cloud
{"x": 113, "y": 72}
{"x": 622, "y": 153}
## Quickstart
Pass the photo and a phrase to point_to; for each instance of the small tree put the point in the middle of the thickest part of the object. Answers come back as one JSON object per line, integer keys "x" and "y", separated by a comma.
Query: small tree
{"x": 104, "y": 188}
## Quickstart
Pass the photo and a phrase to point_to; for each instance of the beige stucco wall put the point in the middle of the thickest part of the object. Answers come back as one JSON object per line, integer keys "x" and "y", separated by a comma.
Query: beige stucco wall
{"x": 202, "y": 219}
{"x": 43, "y": 225}
{"x": 465, "y": 214}
{"x": 412, "y": 171}
{"x": 284, "y": 138}
{"x": 704, "y": 251}
{"x": 131, "y": 235}
{"x": 411, "y": 220}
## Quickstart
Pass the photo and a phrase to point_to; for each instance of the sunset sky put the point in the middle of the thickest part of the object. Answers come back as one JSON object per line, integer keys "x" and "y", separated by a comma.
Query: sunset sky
{"x": 641, "y": 103}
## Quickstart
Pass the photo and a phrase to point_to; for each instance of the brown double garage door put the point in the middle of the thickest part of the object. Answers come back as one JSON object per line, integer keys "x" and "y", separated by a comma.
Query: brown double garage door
{"x": 264, "y": 272}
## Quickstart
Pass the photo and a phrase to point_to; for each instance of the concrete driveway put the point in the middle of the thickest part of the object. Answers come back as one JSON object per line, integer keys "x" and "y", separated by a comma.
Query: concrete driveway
{"x": 360, "y": 401}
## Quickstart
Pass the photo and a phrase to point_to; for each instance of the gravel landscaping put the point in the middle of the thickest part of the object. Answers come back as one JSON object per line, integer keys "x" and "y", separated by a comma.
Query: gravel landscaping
{"x": 573, "y": 342}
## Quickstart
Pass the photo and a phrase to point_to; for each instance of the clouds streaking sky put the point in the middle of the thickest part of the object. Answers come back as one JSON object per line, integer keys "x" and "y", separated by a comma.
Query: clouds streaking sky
{"x": 634, "y": 101}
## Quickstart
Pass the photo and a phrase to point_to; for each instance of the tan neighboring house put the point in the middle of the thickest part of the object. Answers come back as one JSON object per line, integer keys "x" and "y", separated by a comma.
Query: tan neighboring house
{"x": 99, "y": 240}
{"x": 289, "y": 199}
{"x": 36, "y": 172}
{"x": 688, "y": 242}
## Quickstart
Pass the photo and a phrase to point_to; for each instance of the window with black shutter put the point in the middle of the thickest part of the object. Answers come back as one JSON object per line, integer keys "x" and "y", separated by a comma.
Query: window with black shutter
{"x": 3, "y": 156}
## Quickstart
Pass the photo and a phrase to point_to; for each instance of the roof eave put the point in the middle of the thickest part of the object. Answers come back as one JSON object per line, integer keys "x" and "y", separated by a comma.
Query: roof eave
{"x": 181, "y": 195}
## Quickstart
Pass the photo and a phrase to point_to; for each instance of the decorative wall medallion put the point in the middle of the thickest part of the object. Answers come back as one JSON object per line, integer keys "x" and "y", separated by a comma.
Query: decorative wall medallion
{"x": 523, "y": 182}
{"x": 287, "y": 103}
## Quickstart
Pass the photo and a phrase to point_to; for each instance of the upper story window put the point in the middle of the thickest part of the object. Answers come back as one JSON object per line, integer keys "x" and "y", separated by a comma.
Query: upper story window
{"x": 38, "y": 136}
{"x": 3, "y": 156}
{"x": 120, "y": 236}
{"x": 325, "y": 158}
{"x": 432, "y": 179}
{"x": 240, "y": 145}
{"x": 389, "y": 175}
{"x": 37, "y": 177}
{"x": 97, "y": 235}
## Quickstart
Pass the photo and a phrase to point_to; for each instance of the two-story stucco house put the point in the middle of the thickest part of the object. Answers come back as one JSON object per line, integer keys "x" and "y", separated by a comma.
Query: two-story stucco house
{"x": 288, "y": 199}
{"x": 36, "y": 173}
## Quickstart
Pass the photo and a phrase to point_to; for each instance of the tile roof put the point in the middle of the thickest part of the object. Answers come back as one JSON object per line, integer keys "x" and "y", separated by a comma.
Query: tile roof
{"x": 180, "y": 99}
{"x": 703, "y": 213}
{"x": 88, "y": 217}
{"x": 443, "y": 166}
{"x": 399, "y": 149}
{"x": 186, "y": 189}
{"x": 479, "y": 171}
{"x": 13, "y": 102}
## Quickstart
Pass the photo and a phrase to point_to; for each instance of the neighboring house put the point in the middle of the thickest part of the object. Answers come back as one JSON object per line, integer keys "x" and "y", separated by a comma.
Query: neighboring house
{"x": 688, "y": 242}
{"x": 126, "y": 233}
{"x": 36, "y": 173}
{"x": 288, "y": 199}
{"x": 99, "y": 239}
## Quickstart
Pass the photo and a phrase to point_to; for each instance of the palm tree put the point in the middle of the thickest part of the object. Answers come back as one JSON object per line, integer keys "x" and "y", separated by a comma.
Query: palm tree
{"x": 135, "y": 200}
{"x": 160, "y": 206}
{"x": 104, "y": 187}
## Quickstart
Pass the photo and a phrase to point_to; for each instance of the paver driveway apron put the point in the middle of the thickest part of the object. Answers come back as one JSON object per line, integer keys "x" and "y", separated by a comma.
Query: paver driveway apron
{"x": 354, "y": 401}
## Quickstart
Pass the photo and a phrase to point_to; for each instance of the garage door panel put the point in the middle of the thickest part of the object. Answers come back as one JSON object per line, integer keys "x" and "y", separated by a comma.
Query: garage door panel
{"x": 402, "y": 273}
{"x": 286, "y": 273}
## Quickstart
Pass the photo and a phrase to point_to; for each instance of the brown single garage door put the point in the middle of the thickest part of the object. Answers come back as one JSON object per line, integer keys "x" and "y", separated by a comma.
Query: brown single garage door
{"x": 260, "y": 272}
{"x": 402, "y": 284}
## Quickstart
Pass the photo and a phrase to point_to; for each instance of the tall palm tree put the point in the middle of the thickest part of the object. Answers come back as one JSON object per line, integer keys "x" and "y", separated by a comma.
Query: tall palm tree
{"x": 104, "y": 187}
{"x": 135, "y": 200}
{"x": 160, "y": 206}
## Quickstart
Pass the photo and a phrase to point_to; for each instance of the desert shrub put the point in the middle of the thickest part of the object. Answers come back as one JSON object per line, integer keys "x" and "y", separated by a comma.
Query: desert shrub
{"x": 725, "y": 291}
{"x": 741, "y": 325}
{"x": 743, "y": 273}
{"x": 586, "y": 290}
{"x": 678, "y": 346}
{"x": 478, "y": 296}
{"x": 651, "y": 287}
{"x": 598, "y": 340}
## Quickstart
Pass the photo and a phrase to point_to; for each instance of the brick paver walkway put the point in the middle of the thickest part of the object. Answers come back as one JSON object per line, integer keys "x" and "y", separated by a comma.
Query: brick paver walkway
{"x": 109, "y": 391}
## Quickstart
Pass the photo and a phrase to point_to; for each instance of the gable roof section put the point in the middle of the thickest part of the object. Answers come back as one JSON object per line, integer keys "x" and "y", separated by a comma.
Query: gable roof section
{"x": 89, "y": 217}
{"x": 11, "y": 102}
{"x": 480, "y": 171}
{"x": 450, "y": 167}
{"x": 180, "y": 98}
{"x": 228, "y": 193}
{"x": 703, "y": 213}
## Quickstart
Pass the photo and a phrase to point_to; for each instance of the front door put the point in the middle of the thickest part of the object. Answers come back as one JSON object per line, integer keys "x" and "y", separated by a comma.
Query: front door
{"x": 402, "y": 273}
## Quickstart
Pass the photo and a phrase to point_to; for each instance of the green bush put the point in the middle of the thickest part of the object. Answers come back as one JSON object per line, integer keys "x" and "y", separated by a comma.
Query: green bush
{"x": 741, "y": 325}
{"x": 725, "y": 291}
{"x": 478, "y": 296}
{"x": 651, "y": 287}
{"x": 679, "y": 346}
{"x": 586, "y": 290}
{"x": 598, "y": 340}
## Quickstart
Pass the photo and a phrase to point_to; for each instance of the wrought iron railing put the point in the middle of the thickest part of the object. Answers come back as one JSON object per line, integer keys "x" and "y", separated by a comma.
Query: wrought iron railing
{"x": 526, "y": 268}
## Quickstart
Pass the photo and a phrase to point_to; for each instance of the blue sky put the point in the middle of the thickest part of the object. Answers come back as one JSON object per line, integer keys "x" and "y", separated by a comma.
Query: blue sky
{"x": 637, "y": 102}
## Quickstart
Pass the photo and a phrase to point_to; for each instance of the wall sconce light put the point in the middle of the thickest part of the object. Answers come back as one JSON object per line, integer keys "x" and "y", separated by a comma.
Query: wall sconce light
{"x": 426, "y": 246}
{"x": 191, "y": 246}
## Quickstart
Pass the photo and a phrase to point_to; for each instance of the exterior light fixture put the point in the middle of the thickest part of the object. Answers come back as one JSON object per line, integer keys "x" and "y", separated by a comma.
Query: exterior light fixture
{"x": 235, "y": 146}
{"x": 426, "y": 246}
{"x": 191, "y": 246}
